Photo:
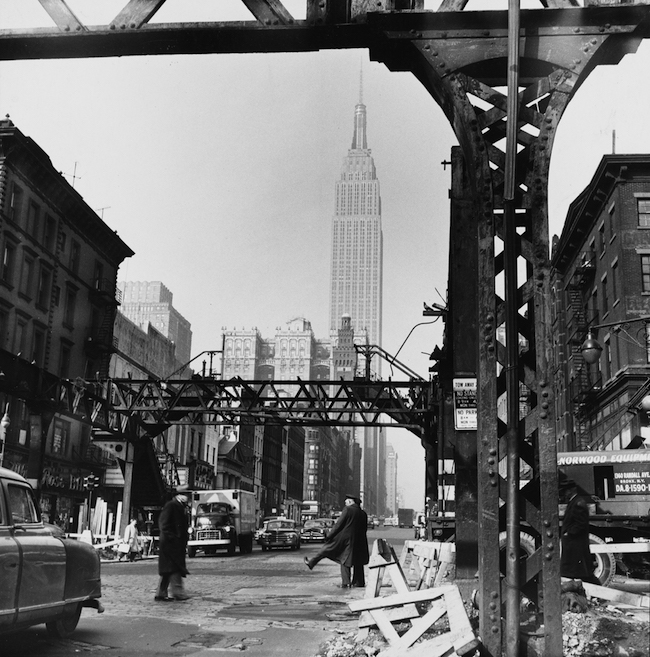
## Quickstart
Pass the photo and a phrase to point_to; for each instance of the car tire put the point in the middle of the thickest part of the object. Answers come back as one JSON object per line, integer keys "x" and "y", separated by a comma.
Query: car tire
{"x": 605, "y": 562}
{"x": 191, "y": 552}
{"x": 264, "y": 548}
{"x": 63, "y": 627}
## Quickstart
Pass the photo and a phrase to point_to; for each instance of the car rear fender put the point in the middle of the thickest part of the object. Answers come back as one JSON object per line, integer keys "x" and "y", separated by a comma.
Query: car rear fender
{"x": 83, "y": 578}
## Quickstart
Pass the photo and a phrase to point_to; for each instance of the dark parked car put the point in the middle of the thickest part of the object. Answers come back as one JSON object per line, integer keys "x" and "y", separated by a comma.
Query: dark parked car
{"x": 316, "y": 530}
{"x": 44, "y": 576}
{"x": 280, "y": 533}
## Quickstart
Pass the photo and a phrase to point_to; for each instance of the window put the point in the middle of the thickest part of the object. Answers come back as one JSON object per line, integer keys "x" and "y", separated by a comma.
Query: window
{"x": 33, "y": 220}
{"x": 643, "y": 208}
{"x": 612, "y": 223}
{"x": 60, "y": 437}
{"x": 75, "y": 256}
{"x": 27, "y": 276}
{"x": 44, "y": 292}
{"x": 38, "y": 346}
{"x": 645, "y": 273}
{"x": 605, "y": 296}
{"x": 49, "y": 238}
{"x": 22, "y": 506}
{"x": 98, "y": 276}
{"x": 20, "y": 336}
{"x": 70, "y": 306}
{"x": 4, "y": 327}
{"x": 15, "y": 203}
{"x": 8, "y": 262}
{"x": 607, "y": 361}
{"x": 65, "y": 354}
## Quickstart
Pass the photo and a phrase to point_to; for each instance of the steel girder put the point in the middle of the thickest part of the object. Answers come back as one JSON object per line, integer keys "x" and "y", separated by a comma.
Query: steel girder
{"x": 460, "y": 57}
{"x": 464, "y": 67}
{"x": 159, "y": 404}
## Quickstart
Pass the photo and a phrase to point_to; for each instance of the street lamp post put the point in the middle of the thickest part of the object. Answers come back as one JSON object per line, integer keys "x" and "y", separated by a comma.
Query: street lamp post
{"x": 591, "y": 349}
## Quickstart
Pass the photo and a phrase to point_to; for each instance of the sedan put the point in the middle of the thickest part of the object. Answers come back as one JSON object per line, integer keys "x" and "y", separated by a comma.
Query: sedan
{"x": 46, "y": 577}
{"x": 280, "y": 533}
{"x": 316, "y": 530}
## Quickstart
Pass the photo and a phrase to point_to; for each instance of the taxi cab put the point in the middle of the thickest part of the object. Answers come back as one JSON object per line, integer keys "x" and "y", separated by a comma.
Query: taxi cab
{"x": 44, "y": 576}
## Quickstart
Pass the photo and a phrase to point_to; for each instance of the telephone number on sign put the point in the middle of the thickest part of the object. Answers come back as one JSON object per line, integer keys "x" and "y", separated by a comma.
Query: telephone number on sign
{"x": 632, "y": 488}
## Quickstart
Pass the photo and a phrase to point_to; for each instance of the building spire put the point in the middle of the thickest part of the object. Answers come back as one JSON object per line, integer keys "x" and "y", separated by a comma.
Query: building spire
{"x": 359, "y": 141}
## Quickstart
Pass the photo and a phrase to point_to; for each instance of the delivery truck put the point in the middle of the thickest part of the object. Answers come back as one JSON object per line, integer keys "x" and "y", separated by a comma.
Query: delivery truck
{"x": 405, "y": 517}
{"x": 222, "y": 520}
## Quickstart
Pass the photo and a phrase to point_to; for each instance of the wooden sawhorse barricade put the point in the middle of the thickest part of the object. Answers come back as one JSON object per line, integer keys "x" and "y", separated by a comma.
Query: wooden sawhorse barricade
{"x": 431, "y": 563}
{"x": 382, "y": 612}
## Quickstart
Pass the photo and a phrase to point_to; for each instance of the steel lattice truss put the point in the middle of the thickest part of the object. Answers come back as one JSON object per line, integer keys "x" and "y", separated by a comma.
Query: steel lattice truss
{"x": 159, "y": 404}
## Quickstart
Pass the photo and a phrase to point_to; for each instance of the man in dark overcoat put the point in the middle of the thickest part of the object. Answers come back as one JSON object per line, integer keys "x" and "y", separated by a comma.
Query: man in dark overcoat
{"x": 576, "y": 561}
{"x": 347, "y": 544}
{"x": 173, "y": 524}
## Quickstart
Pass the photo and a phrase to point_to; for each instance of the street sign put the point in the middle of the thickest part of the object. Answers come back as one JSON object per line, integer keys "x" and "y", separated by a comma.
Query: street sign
{"x": 465, "y": 418}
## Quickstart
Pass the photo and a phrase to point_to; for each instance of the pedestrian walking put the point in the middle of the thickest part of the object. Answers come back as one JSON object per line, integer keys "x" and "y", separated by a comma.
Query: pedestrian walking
{"x": 347, "y": 544}
{"x": 173, "y": 525}
{"x": 131, "y": 539}
{"x": 576, "y": 561}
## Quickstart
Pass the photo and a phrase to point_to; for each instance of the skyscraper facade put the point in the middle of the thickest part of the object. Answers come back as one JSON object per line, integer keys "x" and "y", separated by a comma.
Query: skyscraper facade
{"x": 356, "y": 281}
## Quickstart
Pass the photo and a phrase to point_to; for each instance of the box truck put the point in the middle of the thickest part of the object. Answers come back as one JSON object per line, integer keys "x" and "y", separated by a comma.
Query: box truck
{"x": 222, "y": 520}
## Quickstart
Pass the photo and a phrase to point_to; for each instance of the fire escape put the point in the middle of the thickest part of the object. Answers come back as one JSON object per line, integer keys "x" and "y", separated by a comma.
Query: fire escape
{"x": 105, "y": 297}
{"x": 585, "y": 382}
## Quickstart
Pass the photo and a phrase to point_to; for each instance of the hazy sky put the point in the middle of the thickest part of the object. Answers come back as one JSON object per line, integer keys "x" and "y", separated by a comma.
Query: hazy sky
{"x": 219, "y": 172}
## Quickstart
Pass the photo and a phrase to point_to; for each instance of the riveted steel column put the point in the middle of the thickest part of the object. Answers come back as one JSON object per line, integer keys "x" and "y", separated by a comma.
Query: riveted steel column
{"x": 512, "y": 579}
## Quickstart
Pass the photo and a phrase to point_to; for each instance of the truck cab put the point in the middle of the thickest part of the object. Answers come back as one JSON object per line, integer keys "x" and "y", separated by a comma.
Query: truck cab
{"x": 222, "y": 520}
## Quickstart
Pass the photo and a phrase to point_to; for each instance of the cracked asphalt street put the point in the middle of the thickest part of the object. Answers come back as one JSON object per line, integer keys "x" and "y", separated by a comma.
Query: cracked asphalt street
{"x": 265, "y": 603}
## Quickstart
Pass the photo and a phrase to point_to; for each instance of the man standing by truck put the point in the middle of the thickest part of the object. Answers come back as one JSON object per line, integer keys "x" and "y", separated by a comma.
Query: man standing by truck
{"x": 576, "y": 561}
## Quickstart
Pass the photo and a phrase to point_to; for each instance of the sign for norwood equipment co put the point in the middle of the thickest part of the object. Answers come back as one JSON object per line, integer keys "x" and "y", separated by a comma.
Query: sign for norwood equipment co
{"x": 604, "y": 458}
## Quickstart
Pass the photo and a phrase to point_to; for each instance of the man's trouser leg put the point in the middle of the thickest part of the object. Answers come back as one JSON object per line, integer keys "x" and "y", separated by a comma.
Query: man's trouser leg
{"x": 346, "y": 571}
{"x": 163, "y": 585}
{"x": 359, "y": 578}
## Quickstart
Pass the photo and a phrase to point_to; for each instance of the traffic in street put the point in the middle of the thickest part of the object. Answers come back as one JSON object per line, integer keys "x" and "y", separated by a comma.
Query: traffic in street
{"x": 266, "y": 603}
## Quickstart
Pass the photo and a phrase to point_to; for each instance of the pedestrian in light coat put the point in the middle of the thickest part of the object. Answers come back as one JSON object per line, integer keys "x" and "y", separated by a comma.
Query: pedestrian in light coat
{"x": 347, "y": 544}
{"x": 131, "y": 539}
{"x": 173, "y": 524}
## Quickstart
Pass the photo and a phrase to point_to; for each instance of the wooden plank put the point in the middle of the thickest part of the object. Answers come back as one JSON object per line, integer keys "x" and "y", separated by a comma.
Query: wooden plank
{"x": 614, "y": 595}
{"x": 367, "y": 604}
{"x": 386, "y": 627}
{"x": 421, "y": 625}
{"x": 436, "y": 647}
{"x": 628, "y": 548}
{"x": 465, "y": 640}
{"x": 394, "y": 615}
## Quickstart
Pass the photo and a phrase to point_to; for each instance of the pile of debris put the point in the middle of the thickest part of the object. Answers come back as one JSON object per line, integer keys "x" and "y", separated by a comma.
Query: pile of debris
{"x": 604, "y": 631}
{"x": 428, "y": 617}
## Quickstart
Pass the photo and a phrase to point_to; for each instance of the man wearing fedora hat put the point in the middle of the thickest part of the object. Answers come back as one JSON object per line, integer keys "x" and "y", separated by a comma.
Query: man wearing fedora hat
{"x": 173, "y": 524}
{"x": 347, "y": 544}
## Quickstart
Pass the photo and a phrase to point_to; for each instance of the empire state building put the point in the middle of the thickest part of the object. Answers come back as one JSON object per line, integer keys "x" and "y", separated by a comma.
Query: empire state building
{"x": 357, "y": 242}
{"x": 356, "y": 283}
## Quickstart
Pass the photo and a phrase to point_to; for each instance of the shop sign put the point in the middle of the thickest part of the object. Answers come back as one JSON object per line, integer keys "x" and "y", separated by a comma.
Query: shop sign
{"x": 59, "y": 480}
{"x": 632, "y": 480}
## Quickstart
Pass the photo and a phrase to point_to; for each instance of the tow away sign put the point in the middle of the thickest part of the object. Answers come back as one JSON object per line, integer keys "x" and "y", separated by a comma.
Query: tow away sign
{"x": 465, "y": 405}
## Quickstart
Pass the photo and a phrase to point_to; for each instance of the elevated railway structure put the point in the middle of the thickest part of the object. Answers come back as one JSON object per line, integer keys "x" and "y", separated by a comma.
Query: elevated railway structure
{"x": 503, "y": 79}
